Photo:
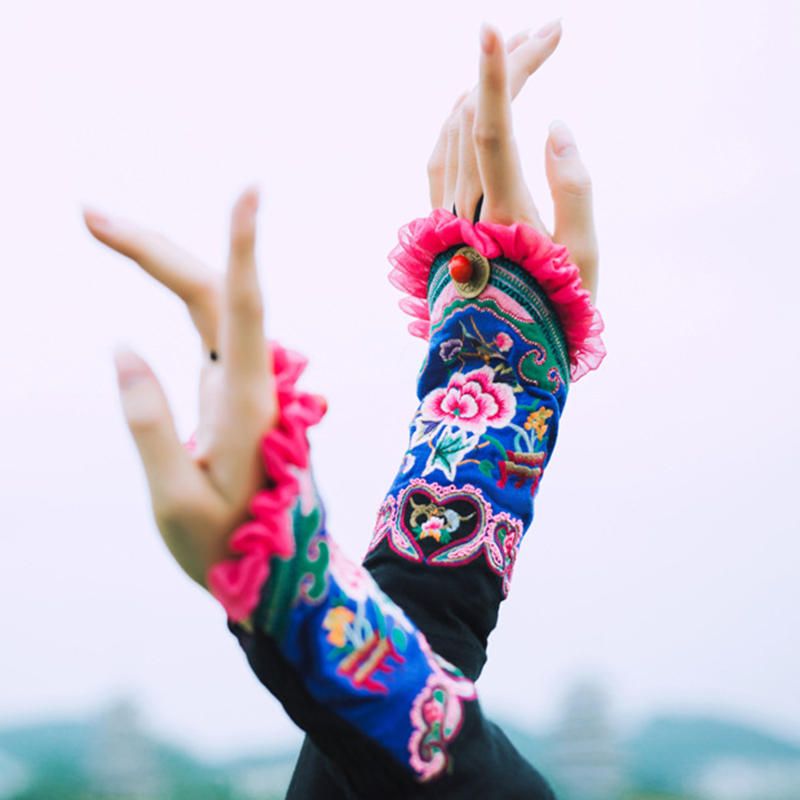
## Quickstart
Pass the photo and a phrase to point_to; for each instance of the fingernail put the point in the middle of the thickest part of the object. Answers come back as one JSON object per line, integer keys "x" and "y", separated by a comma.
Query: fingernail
{"x": 487, "y": 39}
{"x": 130, "y": 368}
{"x": 255, "y": 194}
{"x": 251, "y": 198}
{"x": 549, "y": 29}
{"x": 96, "y": 219}
{"x": 561, "y": 137}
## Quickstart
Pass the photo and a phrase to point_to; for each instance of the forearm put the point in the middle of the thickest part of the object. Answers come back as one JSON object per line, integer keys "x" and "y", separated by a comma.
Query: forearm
{"x": 502, "y": 351}
{"x": 344, "y": 660}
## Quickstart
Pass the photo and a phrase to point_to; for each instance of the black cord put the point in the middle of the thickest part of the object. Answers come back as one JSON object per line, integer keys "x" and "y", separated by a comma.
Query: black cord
{"x": 477, "y": 210}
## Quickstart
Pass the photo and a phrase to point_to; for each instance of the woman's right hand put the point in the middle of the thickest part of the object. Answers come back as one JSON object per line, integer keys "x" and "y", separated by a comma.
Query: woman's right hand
{"x": 199, "y": 498}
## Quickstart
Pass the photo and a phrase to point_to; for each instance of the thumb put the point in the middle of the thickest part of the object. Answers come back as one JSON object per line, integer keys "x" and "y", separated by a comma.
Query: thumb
{"x": 571, "y": 188}
{"x": 166, "y": 461}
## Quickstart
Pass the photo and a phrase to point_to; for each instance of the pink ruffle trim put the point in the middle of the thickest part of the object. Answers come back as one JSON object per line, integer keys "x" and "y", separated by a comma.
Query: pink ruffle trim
{"x": 423, "y": 239}
{"x": 237, "y": 582}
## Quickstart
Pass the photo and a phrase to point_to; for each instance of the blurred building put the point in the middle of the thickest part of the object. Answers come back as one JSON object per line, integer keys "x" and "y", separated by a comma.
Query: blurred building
{"x": 122, "y": 761}
{"x": 741, "y": 779}
{"x": 13, "y": 776}
{"x": 586, "y": 761}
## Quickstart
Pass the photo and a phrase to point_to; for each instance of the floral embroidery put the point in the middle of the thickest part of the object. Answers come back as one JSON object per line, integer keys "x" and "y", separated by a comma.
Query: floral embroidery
{"x": 461, "y": 513}
{"x": 471, "y": 401}
{"x": 452, "y": 419}
{"x": 432, "y": 528}
{"x": 449, "y": 350}
{"x": 503, "y": 341}
{"x": 438, "y": 521}
{"x": 437, "y": 715}
{"x": 537, "y": 421}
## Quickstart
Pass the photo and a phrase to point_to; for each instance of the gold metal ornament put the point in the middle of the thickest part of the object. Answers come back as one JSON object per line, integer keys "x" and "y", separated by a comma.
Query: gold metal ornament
{"x": 481, "y": 270}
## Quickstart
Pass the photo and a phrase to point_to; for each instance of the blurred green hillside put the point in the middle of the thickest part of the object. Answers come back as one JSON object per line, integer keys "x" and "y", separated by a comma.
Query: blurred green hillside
{"x": 676, "y": 757}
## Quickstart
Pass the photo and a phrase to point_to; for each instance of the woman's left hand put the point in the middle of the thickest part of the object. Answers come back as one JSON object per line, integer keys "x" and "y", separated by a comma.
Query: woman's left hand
{"x": 476, "y": 154}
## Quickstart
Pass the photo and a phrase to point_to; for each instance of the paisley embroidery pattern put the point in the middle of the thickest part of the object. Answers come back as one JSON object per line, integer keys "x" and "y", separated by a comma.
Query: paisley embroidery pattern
{"x": 437, "y": 715}
{"x": 384, "y": 522}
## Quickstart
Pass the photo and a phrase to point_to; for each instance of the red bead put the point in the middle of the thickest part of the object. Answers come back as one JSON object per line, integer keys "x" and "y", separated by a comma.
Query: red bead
{"x": 460, "y": 268}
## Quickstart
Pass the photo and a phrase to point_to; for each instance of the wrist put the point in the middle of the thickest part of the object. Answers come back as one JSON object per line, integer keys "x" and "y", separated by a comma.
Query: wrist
{"x": 512, "y": 251}
{"x": 268, "y": 538}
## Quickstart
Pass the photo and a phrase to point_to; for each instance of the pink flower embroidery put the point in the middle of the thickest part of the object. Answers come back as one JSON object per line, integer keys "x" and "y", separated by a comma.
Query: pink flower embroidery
{"x": 472, "y": 401}
{"x": 503, "y": 342}
{"x": 432, "y": 712}
{"x": 432, "y": 527}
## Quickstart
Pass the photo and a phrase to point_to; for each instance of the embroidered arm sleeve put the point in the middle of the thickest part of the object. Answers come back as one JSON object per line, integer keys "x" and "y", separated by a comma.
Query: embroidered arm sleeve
{"x": 509, "y": 326}
{"x": 377, "y": 662}
{"x": 344, "y": 660}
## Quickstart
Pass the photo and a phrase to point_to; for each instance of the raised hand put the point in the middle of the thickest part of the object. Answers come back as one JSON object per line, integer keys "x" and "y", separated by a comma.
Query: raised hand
{"x": 200, "y": 494}
{"x": 476, "y": 153}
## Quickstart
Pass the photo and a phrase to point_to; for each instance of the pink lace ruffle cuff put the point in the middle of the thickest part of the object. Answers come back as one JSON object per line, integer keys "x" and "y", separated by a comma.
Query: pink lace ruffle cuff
{"x": 237, "y": 582}
{"x": 421, "y": 240}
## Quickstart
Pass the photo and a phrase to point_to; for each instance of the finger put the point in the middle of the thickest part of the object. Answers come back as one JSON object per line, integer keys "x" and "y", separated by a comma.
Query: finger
{"x": 468, "y": 181}
{"x": 170, "y": 265}
{"x": 244, "y": 349}
{"x": 497, "y": 157}
{"x": 527, "y": 53}
{"x": 436, "y": 162}
{"x": 516, "y": 40}
{"x": 167, "y": 464}
{"x": 451, "y": 156}
{"x": 571, "y": 188}
{"x": 530, "y": 53}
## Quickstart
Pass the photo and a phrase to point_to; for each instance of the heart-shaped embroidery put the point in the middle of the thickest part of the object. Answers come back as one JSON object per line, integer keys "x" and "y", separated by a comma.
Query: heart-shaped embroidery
{"x": 448, "y": 526}
{"x": 432, "y": 521}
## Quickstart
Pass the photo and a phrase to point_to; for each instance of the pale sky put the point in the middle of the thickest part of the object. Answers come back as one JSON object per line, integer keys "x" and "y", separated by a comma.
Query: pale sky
{"x": 665, "y": 554}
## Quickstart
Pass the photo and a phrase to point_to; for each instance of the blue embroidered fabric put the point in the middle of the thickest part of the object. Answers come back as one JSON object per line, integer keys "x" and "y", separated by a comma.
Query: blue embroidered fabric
{"x": 377, "y": 662}
{"x": 491, "y": 390}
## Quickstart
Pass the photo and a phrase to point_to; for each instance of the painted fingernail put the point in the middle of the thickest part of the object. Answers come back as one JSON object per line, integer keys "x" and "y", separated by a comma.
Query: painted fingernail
{"x": 487, "y": 39}
{"x": 561, "y": 137}
{"x": 549, "y": 29}
{"x": 249, "y": 199}
{"x": 96, "y": 219}
{"x": 130, "y": 368}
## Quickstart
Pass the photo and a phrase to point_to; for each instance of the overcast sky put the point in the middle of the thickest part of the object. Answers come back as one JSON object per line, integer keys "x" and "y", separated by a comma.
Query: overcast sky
{"x": 665, "y": 555}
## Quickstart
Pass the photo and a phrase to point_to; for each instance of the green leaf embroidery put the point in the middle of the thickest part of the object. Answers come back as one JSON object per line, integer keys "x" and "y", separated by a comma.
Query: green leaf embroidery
{"x": 496, "y": 443}
{"x": 447, "y": 455}
{"x": 486, "y": 467}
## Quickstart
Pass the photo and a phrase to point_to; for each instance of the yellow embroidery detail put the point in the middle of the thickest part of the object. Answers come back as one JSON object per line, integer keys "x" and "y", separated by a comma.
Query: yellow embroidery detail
{"x": 335, "y": 622}
{"x": 537, "y": 421}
